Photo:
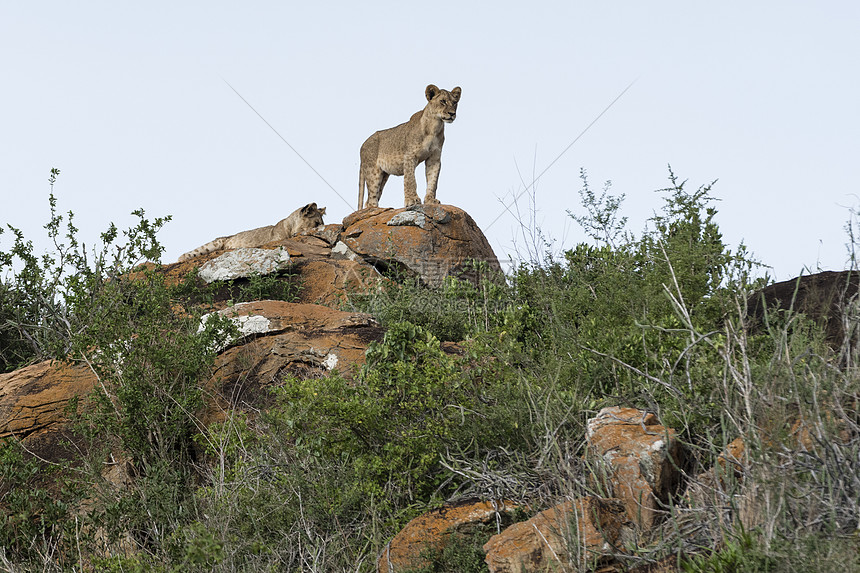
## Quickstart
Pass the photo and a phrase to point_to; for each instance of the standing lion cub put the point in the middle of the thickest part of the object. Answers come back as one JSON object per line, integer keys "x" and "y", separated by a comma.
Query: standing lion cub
{"x": 399, "y": 150}
{"x": 301, "y": 220}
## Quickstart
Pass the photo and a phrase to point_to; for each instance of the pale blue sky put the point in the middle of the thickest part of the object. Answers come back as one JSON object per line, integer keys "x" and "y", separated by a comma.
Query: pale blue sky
{"x": 128, "y": 101}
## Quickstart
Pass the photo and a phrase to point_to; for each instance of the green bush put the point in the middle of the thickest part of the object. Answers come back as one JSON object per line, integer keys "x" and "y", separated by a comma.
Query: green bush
{"x": 151, "y": 362}
{"x": 463, "y": 553}
{"x": 636, "y": 317}
{"x": 394, "y": 422}
{"x": 457, "y": 310}
{"x": 36, "y": 522}
{"x": 106, "y": 309}
{"x": 327, "y": 475}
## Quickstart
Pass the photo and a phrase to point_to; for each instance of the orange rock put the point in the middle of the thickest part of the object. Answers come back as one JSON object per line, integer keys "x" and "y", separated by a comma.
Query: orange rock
{"x": 431, "y": 241}
{"x": 329, "y": 281}
{"x": 616, "y": 415}
{"x": 286, "y": 338}
{"x": 644, "y": 457}
{"x": 291, "y": 316}
{"x": 573, "y": 534}
{"x": 33, "y": 402}
{"x": 432, "y": 529}
{"x": 428, "y": 241}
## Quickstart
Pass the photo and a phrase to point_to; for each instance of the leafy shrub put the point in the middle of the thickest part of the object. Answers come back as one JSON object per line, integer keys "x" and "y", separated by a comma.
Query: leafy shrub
{"x": 457, "y": 310}
{"x": 150, "y": 361}
{"x": 636, "y": 317}
{"x": 393, "y": 422}
{"x": 324, "y": 478}
{"x": 36, "y": 523}
{"x": 107, "y": 310}
{"x": 462, "y": 552}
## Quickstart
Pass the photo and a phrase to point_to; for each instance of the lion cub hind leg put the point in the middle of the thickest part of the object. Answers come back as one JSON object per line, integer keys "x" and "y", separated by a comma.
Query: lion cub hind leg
{"x": 380, "y": 185}
{"x": 370, "y": 173}
{"x": 376, "y": 180}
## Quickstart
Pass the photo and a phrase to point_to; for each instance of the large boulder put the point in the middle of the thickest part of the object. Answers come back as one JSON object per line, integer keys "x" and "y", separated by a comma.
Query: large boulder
{"x": 428, "y": 241}
{"x": 824, "y": 297}
{"x": 433, "y": 529}
{"x": 568, "y": 537}
{"x": 278, "y": 339}
{"x": 305, "y": 261}
{"x": 243, "y": 263}
{"x": 645, "y": 460}
{"x": 330, "y": 281}
{"x": 33, "y": 404}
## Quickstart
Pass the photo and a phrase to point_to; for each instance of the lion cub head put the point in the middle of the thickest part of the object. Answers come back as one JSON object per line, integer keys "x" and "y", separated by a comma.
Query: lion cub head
{"x": 312, "y": 213}
{"x": 443, "y": 103}
{"x": 311, "y": 217}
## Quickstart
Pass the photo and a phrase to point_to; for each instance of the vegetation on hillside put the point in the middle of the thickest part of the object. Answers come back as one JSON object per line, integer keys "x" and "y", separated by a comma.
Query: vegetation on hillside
{"x": 323, "y": 479}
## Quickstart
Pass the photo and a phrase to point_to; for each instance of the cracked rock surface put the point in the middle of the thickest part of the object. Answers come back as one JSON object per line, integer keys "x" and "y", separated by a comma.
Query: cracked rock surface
{"x": 431, "y": 241}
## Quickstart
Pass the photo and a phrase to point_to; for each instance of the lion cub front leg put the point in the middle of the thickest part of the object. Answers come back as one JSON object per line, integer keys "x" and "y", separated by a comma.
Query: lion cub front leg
{"x": 410, "y": 186}
{"x": 432, "y": 167}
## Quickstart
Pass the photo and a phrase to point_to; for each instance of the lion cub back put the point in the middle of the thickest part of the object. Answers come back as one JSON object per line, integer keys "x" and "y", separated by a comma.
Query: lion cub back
{"x": 299, "y": 221}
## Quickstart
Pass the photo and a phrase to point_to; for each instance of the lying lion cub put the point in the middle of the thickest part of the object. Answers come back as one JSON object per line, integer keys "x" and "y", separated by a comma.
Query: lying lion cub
{"x": 399, "y": 150}
{"x": 299, "y": 221}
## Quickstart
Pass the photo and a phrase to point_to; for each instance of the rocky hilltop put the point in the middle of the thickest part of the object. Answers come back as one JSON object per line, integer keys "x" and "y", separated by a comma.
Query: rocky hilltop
{"x": 307, "y": 337}
{"x": 427, "y": 242}
{"x": 647, "y": 484}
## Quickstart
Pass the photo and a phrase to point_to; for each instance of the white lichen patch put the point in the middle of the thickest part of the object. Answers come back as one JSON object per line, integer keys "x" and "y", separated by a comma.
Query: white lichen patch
{"x": 341, "y": 251}
{"x": 252, "y": 324}
{"x": 246, "y": 324}
{"x": 330, "y": 361}
{"x": 414, "y": 218}
{"x": 242, "y": 263}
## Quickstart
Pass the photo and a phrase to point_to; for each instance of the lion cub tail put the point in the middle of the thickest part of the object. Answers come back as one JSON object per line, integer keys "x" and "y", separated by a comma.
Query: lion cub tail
{"x": 210, "y": 247}
{"x": 360, "y": 189}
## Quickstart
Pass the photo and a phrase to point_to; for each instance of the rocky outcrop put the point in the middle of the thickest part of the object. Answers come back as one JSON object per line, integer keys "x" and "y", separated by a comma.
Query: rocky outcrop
{"x": 306, "y": 261}
{"x": 33, "y": 404}
{"x": 429, "y": 241}
{"x": 279, "y": 339}
{"x": 330, "y": 281}
{"x": 644, "y": 463}
{"x": 277, "y": 316}
{"x": 645, "y": 459}
{"x": 243, "y": 263}
{"x": 575, "y": 533}
{"x": 433, "y": 529}
{"x": 824, "y": 297}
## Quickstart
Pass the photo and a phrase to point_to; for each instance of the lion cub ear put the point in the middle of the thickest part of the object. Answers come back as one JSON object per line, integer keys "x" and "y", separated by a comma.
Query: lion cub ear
{"x": 455, "y": 93}
{"x": 309, "y": 208}
{"x": 322, "y": 211}
{"x": 431, "y": 91}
